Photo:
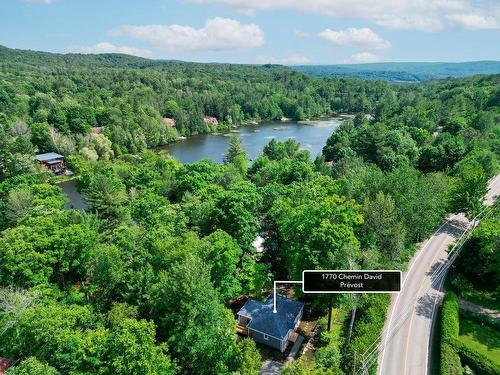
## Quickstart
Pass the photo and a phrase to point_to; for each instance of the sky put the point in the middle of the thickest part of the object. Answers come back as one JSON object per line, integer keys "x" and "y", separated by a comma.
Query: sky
{"x": 259, "y": 31}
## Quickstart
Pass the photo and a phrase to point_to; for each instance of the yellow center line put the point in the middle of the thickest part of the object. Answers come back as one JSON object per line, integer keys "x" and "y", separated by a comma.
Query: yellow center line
{"x": 412, "y": 315}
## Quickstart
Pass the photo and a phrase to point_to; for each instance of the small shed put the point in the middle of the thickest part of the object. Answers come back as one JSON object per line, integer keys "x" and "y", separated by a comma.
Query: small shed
{"x": 269, "y": 328}
{"x": 52, "y": 161}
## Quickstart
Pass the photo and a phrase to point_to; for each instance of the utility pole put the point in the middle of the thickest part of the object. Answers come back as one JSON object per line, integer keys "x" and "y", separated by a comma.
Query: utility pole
{"x": 329, "y": 317}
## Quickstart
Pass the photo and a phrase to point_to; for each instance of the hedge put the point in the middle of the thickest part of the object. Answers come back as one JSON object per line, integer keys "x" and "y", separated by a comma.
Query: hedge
{"x": 452, "y": 350}
{"x": 480, "y": 364}
{"x": 450, "y": 322}
{"x": 450, "y": 361}
{"x": 450, "y": 326}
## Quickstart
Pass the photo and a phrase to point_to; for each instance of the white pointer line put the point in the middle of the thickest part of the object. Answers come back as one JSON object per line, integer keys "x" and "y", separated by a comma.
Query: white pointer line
{"x": 281, "y": 282}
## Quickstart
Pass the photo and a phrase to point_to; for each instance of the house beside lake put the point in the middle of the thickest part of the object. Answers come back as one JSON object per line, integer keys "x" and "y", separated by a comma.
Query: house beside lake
{"x": 52, "y": 161}
{"x": 257, "y": 320}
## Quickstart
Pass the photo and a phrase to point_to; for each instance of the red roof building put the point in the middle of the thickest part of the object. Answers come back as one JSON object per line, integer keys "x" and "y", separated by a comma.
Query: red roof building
{"x": 210, "y": 120}
{"x": 169, "y": 121}
{"x": 4, "y": 365}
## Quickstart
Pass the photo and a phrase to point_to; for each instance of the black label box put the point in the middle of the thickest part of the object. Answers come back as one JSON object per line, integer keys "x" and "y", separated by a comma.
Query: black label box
{"x": 351, "y": 281}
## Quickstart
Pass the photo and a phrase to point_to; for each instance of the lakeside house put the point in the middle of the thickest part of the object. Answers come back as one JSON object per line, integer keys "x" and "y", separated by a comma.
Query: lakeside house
{"x": 52, "y": 161}
{"x": 257, "y": 320}
{"x": 209, "y": 120}
{"x": 169, "y": 121}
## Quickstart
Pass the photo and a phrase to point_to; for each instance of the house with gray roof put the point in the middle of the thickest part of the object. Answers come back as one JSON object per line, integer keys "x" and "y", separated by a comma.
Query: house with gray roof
{"x": 267, "y": 327}
{"x": 52, "y": 161}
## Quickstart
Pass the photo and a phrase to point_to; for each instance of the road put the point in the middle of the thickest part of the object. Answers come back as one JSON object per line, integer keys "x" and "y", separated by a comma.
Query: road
{"x": 407, "y": 332}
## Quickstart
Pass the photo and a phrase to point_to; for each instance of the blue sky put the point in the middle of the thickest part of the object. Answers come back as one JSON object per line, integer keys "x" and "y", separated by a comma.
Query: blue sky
{"x": 259, "y": 31}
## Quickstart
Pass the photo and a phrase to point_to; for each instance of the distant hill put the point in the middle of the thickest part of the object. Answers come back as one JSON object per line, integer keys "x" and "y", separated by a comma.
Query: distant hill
{"x": 403, "y": 71}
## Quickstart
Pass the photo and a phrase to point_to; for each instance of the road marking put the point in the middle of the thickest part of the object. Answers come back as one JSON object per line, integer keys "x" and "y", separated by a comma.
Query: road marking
{"x": 422, "y": 250}
{"x": 416, "y": 300}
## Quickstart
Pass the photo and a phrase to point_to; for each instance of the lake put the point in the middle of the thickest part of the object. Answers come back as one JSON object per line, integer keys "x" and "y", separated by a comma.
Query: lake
{"x": 312, "y": 136}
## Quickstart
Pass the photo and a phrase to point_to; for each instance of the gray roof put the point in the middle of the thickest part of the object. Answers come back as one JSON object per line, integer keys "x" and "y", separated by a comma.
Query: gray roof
{"x": 273, "y": 324}
{"x": 48, "y": 156}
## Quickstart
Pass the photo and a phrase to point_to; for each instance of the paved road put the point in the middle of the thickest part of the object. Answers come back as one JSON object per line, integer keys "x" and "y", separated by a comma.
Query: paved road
{"x": 406, "y": 335}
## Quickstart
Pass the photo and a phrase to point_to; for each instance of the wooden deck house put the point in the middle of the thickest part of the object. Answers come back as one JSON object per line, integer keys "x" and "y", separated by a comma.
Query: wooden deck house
{"x": 52, "y": 161}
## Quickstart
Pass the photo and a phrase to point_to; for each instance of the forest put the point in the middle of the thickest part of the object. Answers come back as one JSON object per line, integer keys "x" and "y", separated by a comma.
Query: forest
{"x": 143, "y": 282}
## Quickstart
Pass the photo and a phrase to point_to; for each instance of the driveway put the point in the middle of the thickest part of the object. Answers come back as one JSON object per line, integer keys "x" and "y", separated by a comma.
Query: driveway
{"x": 270, "y": 367}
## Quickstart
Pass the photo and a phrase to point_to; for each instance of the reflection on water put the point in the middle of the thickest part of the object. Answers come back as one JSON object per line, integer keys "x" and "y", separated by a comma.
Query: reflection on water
{"x": 75, "y": 199}
{"x": 254, "y": 137}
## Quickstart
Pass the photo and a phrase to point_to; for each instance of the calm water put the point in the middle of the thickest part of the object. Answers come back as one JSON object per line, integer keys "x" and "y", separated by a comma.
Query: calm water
{"x": 311, "y": 137}
{"x": 75, "y": 198}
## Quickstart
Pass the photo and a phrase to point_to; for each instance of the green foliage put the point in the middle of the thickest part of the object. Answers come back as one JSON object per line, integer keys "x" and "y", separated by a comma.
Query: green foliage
{"x": 449, "y": 318}
{"x": 130, "y": 96}
{"x": 449, "y": 359}
{"x": 478, "y": 263}
{"x": 72, "y": 339}
{"x": 369, "y": 322}
{"x": 190, "y": 317}
{"x": 106, "y": 195}
{"x": 248, "y": 358}
{"x": 470, "y": 189}
{"x": 45, "y": 249}
{"x": 303, "y": 367}
{"x": 131, "y": 349}
{"x": 142, "y": 283}
{"x": 32, "y": 366}
{"x": 477, "y": 361}
{"x": 225, "y": 256}
{"x": 236, "y": 155}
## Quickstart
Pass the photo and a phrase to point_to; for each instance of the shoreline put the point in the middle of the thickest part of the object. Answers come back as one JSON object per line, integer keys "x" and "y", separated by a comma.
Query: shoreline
{"x": 235, "y": 127}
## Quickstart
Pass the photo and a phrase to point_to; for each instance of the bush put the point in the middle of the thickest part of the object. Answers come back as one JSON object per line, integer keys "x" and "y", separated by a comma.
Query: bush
{"x": 248, "y": 358}
{"x": 450, "y": 361}
{"x": 449, "y": 318}
{"x": 368, "y": 325}
{"x": 480, "y": 364}
{"x": 32, "y": 366}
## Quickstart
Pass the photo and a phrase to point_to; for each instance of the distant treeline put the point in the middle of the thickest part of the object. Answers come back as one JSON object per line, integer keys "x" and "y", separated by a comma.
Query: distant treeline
{"x": 61, "y": 97}
{"x": 402, "y": 72}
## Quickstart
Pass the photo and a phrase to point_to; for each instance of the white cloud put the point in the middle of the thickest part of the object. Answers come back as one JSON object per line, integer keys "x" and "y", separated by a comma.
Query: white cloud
{"x": 300, "y": 33}
{"x": 291, "y": 59}
{"x": 353, "y": 37}
{"x": 425, "y": 15}
{"x": 474, "y": 21}
{"x": 364, "y": 57}
{"x": 45, "y": 2}
{"x": 105, "y": 47}
{"x": 217, "y": 34}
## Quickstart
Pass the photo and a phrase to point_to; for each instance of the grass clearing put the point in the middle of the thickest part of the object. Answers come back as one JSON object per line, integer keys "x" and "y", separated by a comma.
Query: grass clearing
{"x": 481, "y": 337}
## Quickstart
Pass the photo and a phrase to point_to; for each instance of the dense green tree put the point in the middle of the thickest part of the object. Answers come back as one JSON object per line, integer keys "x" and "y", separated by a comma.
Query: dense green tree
{"x": 199, "y": 330}
{"x": 236, "y": 155}
{"x": 382, "y": 225}
{"x": 106, "y": 195}
{"x": 469, "y": 190}
{"x": 225, "y": 257}
{"x": 32, "y": 366}
{"x": 249, "y": 358}
{"x": 54, "y": 248}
